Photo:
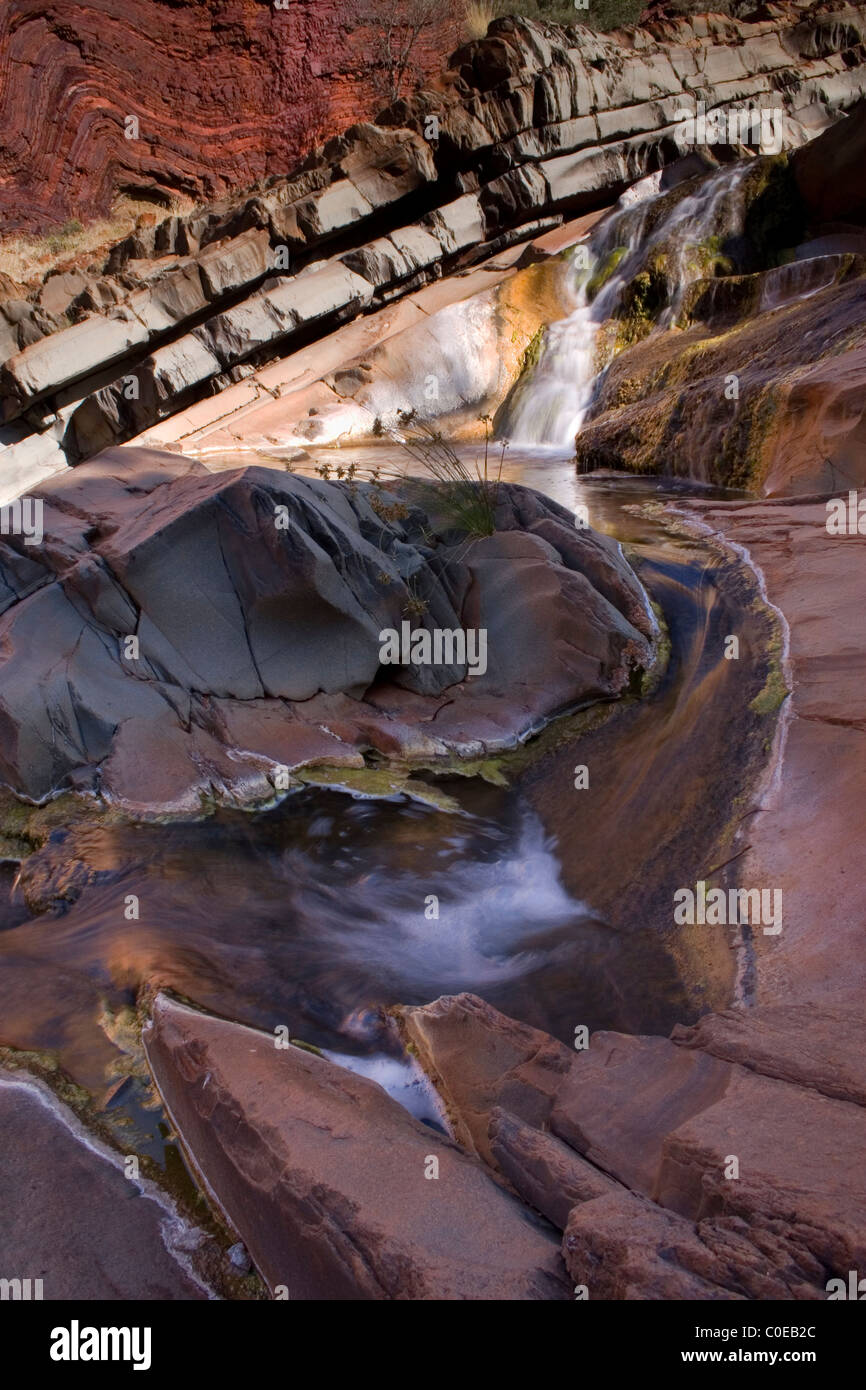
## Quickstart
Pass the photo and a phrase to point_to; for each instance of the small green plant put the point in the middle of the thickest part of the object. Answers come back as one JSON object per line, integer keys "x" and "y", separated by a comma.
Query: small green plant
{"x": 467, "y": 496}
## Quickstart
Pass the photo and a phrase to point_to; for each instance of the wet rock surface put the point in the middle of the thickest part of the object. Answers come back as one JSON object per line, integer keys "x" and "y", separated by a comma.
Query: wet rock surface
{"x": 753, "y": 377}
{"x": 806, "y": 836}
{"x": 728, "y": 1175}
{"x": 625, "y": 1147}
{"x": 94, "y": 1234}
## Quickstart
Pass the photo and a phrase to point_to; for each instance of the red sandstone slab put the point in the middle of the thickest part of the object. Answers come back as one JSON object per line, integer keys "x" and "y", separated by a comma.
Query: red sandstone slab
{"x": 325, "y": 1176}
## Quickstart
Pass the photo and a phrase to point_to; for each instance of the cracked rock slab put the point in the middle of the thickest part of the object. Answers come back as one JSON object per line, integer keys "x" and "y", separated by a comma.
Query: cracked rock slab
{"x": 324, "y": 1175}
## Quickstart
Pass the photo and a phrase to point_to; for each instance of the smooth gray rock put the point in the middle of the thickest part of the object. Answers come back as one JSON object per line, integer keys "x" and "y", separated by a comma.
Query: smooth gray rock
{"x": 161, "y": 589}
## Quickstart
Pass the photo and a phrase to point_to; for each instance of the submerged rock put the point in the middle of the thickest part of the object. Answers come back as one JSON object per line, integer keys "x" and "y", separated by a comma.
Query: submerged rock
{"x": 336, "y": 1190}
{"x": 180, "y": 634}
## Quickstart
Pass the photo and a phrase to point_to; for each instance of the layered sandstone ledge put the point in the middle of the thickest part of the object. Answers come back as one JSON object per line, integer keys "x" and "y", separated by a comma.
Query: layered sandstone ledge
{"x": 716, "y": 1164}
{"x": 532, "y": 124}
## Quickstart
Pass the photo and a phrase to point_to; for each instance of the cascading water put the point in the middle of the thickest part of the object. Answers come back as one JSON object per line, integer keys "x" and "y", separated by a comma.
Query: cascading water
{"x": 551, "y": 400}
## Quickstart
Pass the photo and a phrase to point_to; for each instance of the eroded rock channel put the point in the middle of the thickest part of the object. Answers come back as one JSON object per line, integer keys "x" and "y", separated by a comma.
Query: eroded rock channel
{"x": 313, "y": 915}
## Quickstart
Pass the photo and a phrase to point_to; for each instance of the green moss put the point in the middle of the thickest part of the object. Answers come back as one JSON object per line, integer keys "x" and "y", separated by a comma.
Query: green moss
{"x": 651, "y": 679}
{"x": 775, "y": 690}
{"x": 46, "y": 1067}
{"x": 742, "y": 462}
{"x": 776, "y": 218}
{"x": 773, "y": 695}
{"x": 603, "y": 273}
{"x": 642, "y": 301}
{"x": 25, "y": 828}
{"x": 377, "y": 783}
{"x": 532, "y": 351}
{"x": 708, "y": 258}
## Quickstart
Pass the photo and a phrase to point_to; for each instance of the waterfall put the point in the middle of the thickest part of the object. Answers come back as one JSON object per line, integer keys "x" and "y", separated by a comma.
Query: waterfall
{"x": 550, "y": 401}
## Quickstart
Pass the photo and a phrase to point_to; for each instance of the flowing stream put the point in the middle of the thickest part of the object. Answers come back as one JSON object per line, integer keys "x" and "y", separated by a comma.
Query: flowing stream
{"x": 554, "y": 903}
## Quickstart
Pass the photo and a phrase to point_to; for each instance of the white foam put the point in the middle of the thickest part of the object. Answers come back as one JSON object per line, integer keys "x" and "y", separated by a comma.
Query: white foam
{"x": 402, "y": 1078}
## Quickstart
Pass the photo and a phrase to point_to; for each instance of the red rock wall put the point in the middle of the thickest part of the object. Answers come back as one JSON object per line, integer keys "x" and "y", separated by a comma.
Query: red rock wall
{"x": 226, "y": 91}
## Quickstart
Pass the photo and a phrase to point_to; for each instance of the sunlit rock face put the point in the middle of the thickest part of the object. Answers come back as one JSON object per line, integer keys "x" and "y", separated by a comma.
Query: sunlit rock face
{"x": 226, "y": 92}
{"x": 178, "y": 633}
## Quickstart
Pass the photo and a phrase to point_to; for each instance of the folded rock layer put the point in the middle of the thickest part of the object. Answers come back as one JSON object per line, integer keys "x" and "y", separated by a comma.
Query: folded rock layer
{"x": 528, "y": 125}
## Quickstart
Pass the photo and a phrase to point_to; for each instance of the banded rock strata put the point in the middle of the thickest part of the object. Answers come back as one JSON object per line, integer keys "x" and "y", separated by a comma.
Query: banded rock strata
{"x": 534, "y": 122}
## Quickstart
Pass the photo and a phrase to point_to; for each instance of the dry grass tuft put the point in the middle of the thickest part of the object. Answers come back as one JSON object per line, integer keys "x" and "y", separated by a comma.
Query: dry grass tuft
{"x": 28, "y": 259}
{"x": 478, "y": 16}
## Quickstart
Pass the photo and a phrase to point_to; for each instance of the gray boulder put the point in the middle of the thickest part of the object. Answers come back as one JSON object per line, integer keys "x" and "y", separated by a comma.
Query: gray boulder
{"x": 171, "y": 635}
